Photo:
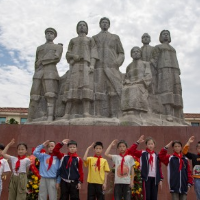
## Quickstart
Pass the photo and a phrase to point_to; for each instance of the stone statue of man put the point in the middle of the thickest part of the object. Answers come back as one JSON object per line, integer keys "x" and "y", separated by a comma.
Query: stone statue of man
{"x": 147, "y": 54}
{"x": 46, "y": 75}
{"x": 169, "y": 83}
{"x": 108, "y": 78}
{"x": 137, "y": 79}
{"x": 147, "y": 50}
{"x": 81, "y": 55}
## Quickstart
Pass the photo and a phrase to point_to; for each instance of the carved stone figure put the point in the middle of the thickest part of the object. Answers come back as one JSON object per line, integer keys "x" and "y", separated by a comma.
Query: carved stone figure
{"x": 108, "y": 78}
{"x": 45, "y": 79}
{"x": 81, "y": 55}
{"x": 147, "y": 54}
{"x": 169, "y": 84}
{"x": 137, "y": 79}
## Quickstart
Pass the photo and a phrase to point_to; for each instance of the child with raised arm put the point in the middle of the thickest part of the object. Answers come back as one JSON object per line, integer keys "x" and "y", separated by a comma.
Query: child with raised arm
{"x": 195, "y": 164}
{"x": 98, "y": 169}
{"x": 150, "y": 167}
{"x": 70, "y": 171}
{"x": 124, "y": 171}
{"x": 20, "y": 166}
{"x": 179, "y": 174}
{"x": 49, "y": 165}
{"x": 4, "y": 167}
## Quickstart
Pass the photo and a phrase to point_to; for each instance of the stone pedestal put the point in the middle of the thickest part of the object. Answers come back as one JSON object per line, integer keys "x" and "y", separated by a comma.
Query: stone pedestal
{"x": 34, "y": 135}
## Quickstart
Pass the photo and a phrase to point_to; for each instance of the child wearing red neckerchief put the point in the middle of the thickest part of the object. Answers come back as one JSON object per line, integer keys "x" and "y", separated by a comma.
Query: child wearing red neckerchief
{"x": 179, "y": 174}
{"x": 20, "y": 166}
{"x": 98, "y": 169}
{"x": 124, "y": 171}
{"x": 195, "y": 164}
{"x": 4, "y": 167}
{"x": 150, "y": 167}
{"x": 70, "y": 171}
{"x": 49, "y": 165}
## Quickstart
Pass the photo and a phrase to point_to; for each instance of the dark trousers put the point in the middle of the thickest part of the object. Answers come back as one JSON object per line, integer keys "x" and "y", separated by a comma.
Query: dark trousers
{"x": 151, "y": 189}
{"x": 95, "y": 191}
{"x": 69, "y": 190}
{"x": 122, "y": 190}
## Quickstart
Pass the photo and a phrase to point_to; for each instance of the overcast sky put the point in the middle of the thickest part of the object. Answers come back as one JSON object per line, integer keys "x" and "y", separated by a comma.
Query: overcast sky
{"x": 22, "y": 25}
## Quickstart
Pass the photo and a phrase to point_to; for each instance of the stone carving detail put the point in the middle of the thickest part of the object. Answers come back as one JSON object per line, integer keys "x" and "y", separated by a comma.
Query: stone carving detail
{"x": 168, "y": 77}
{"x": 81, "y": 56}
{"x": 94, "y": 92}
{"x": 108, "y": 78}
{"x": 45, "y": 79}
{"x": 137, "y": 79}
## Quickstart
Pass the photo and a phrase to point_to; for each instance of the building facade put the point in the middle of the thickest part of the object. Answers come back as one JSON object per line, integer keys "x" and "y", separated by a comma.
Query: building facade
{"x": 19, "y": 114}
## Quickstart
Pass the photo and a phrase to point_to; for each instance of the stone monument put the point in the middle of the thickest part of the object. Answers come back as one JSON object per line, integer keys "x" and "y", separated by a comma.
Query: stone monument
{"x": 168, "y": 77}
{"x": 81, "y": 56}
{"x": 108, "y": 78}
{"x": 45, "y": 80}
{"x": 135, "y": 87}
{"x": 94, "y": 92}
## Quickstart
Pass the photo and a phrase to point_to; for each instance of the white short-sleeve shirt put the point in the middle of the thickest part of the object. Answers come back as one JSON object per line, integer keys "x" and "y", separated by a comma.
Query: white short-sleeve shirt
{"x": 125, "y": 177}
{"x": 24, "y": 163}
{"x": 4, "y": 167}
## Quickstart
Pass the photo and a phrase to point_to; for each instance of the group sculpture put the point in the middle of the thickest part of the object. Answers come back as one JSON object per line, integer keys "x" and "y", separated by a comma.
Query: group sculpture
{"x": 149, "y": 93}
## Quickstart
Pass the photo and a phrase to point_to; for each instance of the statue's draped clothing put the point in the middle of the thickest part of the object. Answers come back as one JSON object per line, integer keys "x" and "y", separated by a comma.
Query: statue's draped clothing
{"x": 135, "y": 94}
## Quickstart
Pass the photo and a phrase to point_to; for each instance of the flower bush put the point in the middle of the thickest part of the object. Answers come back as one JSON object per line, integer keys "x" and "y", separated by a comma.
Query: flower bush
{"x": 33, "y": 179}
{"x": 137, "y": 189}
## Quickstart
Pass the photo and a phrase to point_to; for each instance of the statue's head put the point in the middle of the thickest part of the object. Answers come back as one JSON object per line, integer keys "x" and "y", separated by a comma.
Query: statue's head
{"x": 165, "y": 36}
{"x": 136, "y": 53}
{"x": 146, "y": 39}
{"x": 50, "y": 34}
{"x": 104, "y": 23}
{"x": 82, "y": 27}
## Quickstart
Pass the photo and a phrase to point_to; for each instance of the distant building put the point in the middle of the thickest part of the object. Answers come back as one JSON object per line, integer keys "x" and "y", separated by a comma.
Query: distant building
{"x": 19, "y": 114}
{"x": 192, "y": 118}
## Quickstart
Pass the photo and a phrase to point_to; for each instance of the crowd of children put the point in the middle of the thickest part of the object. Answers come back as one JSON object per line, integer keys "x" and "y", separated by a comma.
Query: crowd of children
{"x": 65, "y": 171}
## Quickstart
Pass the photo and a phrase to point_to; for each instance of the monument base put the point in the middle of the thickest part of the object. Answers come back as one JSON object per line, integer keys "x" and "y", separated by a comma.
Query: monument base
{"x": 143, "y": 119}
{"x": 34, "y": 135}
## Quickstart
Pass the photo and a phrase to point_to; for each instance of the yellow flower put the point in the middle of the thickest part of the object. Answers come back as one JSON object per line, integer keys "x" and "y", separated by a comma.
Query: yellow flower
{"x": 137, "y": 192}
{"x": 36, "y": 178}
{"x": 140, "y": 189}
{"x": 27, "y": 185}
{"x": 30, "y": 182}
{"x": 37, "y": 191}
{"x": 35, "y": 187}
{"x": 33, "y": 176}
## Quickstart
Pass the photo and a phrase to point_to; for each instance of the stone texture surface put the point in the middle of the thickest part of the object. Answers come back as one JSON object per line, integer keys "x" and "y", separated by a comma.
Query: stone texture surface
{"x": 94, "y": 91}
{"x": 85, "y": 135}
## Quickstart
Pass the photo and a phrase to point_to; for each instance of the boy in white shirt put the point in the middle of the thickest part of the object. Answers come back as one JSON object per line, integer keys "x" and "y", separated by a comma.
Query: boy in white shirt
{"x": 124, "y": 171}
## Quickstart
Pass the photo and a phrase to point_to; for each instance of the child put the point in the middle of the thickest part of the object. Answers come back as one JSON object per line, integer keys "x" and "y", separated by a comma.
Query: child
{"x": 20, "y": 166}
{"x": 179, "y": 174}
{"x": 49, "y": 165}
{"x": 195, "y": 164}
{"x": 150, "y": 167}
{"x": 124, "y": 172}
{"x": 4, "y": 167}
{"x": 97, "y": 172}
{"x": 70, "y": 171}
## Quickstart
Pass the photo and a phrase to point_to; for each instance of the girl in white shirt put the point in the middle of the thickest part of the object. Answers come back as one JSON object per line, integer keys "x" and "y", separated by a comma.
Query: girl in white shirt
{"x": 20, "y": 166}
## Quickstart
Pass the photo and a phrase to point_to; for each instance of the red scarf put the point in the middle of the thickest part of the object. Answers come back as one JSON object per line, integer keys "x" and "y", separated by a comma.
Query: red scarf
{"x": 180, "y": 160}
{"x": 98, "y": 162}
{"x": 0, "y": 160}
{"x": 71, "y": 155}
{"x": 50, "y": 160}
{"x": 17, "y": 166}
{"x": 123, "y": 160}
{"x": 150, "y": 157}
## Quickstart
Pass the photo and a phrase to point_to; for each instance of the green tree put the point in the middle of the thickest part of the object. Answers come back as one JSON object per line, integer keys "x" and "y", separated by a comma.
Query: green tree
{"x": 12, "y": 121}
